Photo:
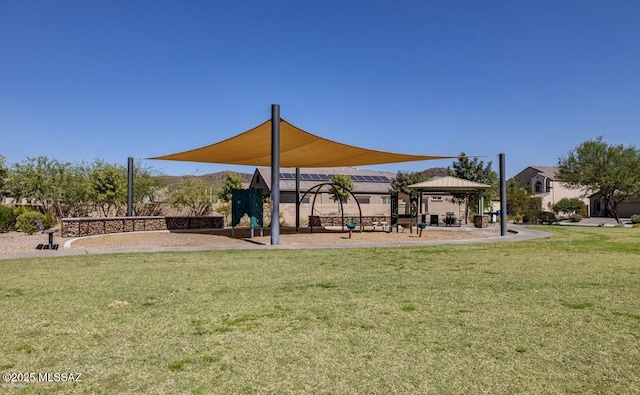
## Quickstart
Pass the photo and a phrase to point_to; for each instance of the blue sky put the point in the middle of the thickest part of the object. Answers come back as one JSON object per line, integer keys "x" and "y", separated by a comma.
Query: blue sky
{"x": 85, "y": 80}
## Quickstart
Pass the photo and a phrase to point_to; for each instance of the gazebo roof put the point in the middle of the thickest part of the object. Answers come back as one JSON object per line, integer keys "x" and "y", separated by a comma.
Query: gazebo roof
{"x": 449, "y": 184}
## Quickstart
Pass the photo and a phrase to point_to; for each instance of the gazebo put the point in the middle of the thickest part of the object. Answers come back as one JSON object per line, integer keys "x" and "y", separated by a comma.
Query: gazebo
{"x": 451, "y": 184}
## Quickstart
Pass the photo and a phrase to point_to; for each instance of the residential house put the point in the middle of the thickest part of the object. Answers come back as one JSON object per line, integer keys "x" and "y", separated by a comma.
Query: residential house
{"x": 544, "y": 183}
{"x": 625, "y": 209}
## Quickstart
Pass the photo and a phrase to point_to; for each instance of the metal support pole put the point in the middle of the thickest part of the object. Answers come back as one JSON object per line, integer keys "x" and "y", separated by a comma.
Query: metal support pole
{"x": 130, "y": 187}
{"x": 297, "y": 199}
{"x": 275, "y": 174}
{"x": 503, "y": 197}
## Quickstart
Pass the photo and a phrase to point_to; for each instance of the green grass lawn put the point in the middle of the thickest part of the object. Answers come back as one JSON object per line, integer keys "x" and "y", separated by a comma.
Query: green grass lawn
{"x": 558, "y": 315}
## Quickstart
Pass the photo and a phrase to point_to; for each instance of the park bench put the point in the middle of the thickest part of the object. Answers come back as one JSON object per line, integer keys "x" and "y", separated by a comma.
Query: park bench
{"x": 50, "y": 232}
{"x": 382, "y": 224}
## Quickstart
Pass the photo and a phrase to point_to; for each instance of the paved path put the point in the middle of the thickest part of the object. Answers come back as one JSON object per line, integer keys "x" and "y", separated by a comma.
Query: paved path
{"x": 516, "y": 233}
{"x": 598, "y": 221}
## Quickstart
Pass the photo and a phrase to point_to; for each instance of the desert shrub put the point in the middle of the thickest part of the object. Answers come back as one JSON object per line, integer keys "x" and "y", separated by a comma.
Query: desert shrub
{"x": 547, "y": 217}
{"x": 48, "y": 221}
{"x": 7, "y": 219}
{"x": 635, "y": 218}
{"x": 18, "y": 210}
{"x": 450, "y": 220}
{"x": 570, "y": 206}
{"x": 575, "y": 218}
{"x": 26, "y": 222}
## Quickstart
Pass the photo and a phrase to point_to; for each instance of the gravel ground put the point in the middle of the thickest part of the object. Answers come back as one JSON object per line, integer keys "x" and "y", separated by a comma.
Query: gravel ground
{"x": 15, "y": 242}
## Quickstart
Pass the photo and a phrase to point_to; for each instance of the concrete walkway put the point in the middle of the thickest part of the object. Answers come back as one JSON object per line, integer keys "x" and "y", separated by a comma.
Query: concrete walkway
{"x": 516, "y": 233}
{"x": 599, "y": 221}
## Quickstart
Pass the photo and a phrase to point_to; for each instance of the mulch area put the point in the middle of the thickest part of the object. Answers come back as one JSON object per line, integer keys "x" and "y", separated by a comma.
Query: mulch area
{"x": 14, "y": 242}
{"x": 242, "y": 236}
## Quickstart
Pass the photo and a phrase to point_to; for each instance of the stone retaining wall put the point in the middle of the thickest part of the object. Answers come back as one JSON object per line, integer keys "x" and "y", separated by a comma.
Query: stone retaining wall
{"x": 80, "y": 227}
{"x": 481, "y": 221}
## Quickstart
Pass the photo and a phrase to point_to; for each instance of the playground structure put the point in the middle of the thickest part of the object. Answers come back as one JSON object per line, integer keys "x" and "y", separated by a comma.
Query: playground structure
{"x": 316, "y": 190}
{"x": 247, "y": 202}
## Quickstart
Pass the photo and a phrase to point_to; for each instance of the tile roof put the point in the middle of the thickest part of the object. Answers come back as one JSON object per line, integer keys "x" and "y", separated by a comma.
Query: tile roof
{"x": 547, "y": 171}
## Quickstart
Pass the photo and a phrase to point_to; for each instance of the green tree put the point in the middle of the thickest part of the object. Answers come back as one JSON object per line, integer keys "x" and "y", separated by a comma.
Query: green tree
{"x": 344, "y": 186}
{"x": 108, "y": 187}
{"x": 569, "y": 206}
{"x": 7, "y": 219}
{"x": 232, "y": 180}
{"x": 192, "y": 193}
{"x": 74, "y": 189}
{"x": 53, "y": 185}
{"x": 521, "y": 203}
{"x": 33, "y": 180}
{"x": 4, "y": 173}
{"x": 400, "y": 183}
{"x": 475, "y": 170}
{"x": 146, "y": 185}
{"x": 225, "y": 209}
{"x": 600, "y": 168}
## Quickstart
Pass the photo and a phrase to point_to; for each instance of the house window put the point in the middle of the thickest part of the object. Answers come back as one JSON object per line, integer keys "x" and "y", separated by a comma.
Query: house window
{"x": 538, "y": 187}
{"x": 385, "y": 200}
{"x": 436, "y": 198}
{"x": 364, "y": 199}
{"x": 291, "y": 198}
{"x": 287, "y": 198}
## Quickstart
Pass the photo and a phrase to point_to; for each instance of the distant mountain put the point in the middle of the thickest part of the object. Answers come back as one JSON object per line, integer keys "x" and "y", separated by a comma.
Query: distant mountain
{"x": 246, "y": 177}
{"x": 435, "y": 172}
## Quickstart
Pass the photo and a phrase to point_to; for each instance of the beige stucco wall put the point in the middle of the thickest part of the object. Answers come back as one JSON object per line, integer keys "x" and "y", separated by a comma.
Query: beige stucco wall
{"x": 440, "y": 205}
{"x": 557, "y": 191}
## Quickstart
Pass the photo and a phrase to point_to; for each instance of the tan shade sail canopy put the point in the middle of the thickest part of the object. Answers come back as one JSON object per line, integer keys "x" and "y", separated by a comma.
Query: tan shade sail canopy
{"x": 298, "y": 148}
